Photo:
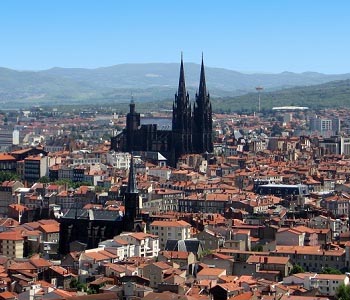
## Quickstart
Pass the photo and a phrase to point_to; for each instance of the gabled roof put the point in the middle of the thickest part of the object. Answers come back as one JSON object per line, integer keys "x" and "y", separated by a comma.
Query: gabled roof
{"x": 279, "y": 260}
{"x": 40, "y": 262}
{"x": 179, "y": 223}
{"x": 5, "y": 156}
{"x": 191, "y": 245}
{"x": 211, "y": 272}
{"x": 11, "y": 236}
{"x": 50, "y": 228}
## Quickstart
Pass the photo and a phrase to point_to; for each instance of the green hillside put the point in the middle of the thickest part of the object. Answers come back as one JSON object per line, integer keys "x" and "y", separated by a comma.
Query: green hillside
{"x": 332, "y": 94}
{"x": 147, "y": 82}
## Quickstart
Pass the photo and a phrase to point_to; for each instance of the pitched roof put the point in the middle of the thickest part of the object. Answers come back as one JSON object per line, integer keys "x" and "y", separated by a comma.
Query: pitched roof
{"x": 175, "y": 254}
{"x": 279, "y": 260}
{"x": 179, "y": 223}
{"x": 50, "y": 228}
{"x": 11, "y": 236}
{"x": 40, "y": 262}
{"x": 211, "y": 272}
{"x": 5, "y": 156}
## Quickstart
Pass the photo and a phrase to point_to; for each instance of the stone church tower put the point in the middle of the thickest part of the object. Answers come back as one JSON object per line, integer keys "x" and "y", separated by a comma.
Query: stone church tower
{"x": 202, "y": 118}
{"x": 182, "y": 118}
{"x": 132, "y": 220}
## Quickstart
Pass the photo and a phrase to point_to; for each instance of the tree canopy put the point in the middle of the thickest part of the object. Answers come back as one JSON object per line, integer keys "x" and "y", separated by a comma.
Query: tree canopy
{"x": 297, "y": 269}
{"x": 343, "y": 292}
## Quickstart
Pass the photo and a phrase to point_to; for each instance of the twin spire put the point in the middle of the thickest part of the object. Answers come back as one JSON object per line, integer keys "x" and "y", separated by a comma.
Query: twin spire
{"x": 182, "y": 86}
{"x": 192, "y": 126}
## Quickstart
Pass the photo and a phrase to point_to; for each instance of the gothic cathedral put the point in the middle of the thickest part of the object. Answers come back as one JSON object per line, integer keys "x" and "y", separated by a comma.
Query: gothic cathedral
{"x": 191, "y": 126}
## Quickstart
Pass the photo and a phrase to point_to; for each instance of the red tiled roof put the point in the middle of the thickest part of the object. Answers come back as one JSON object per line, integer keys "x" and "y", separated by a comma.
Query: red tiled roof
{"x": 170, "y": 224}
{"x": 211, "y": 272}
{"x": 5, "y": 156}
{"x": 11, "y": 236}
{"x": 8, "y": 295}
{"x": 50, "y": 228}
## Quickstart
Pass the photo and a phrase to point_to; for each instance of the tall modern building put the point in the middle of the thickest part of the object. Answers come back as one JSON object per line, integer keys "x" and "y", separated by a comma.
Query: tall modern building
{"x": 191, "y": 130}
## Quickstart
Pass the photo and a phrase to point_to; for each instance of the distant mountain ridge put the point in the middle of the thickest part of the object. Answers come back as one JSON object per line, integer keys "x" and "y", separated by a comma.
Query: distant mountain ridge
{"x": 147, "y": 82}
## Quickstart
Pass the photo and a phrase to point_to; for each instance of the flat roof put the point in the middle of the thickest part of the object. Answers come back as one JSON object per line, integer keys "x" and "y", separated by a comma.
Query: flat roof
{"x": 290, "y": 108}
{"x": 284, "y": 185}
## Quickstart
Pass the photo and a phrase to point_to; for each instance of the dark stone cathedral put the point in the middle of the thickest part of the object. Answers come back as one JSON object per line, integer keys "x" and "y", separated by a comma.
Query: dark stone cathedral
{"x": 191, "y": 126}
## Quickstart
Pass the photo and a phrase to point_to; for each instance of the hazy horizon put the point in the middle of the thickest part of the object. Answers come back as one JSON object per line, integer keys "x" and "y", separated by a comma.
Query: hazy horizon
{"x": 178, "y": 63}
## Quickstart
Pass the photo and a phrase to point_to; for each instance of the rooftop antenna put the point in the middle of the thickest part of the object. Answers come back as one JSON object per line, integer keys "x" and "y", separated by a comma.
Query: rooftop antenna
{"x": 259, "y": 89}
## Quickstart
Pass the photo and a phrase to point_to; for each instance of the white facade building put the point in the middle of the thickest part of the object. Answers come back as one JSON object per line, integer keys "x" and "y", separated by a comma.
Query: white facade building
{"x": 119, "y": 160}
{"x": 170, "y": 230}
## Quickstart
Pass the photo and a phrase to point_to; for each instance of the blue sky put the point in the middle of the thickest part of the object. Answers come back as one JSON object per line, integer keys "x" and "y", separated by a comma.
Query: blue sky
{"x": 244, "y": 35}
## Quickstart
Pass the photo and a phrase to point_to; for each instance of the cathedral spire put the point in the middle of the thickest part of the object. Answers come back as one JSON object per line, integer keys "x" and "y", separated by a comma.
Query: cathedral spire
{"x": 202, "y": 85}
{"x": 132, "y": 184}
{"x": 182, "y": 87}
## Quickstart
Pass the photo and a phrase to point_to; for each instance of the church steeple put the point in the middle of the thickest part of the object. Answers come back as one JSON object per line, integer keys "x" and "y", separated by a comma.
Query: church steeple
{"x": 132, "y": 184}
{"x": 181, "y": 92}
{"x": 202, "y": 118}
{"x": 182, "y": 117}
{"x": 202, "y": 85}
{"x": 131, "y": 201}
{"x": 132, "y": 124}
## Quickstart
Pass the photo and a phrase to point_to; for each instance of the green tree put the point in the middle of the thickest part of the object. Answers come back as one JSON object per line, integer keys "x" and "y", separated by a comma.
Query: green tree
{"x": 76, "y": 284}
{"x": 78, "y": 184}
{"x": 297, "y": 269}
{"x": 8, "y": 176}
{"x": 343, "y": 292}
{"x": 44, "y": 179}
{"x": 329, "y": 270}
{"x": 63, "y": 182}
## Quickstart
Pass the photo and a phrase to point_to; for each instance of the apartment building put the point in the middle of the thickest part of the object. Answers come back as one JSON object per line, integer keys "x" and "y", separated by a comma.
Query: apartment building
{"x": 326, "y": 284}
{"x": 170, "y": 230}
{"x": 145, "y": 244}
{"x": 35, "y": 167}
{"x": 11, "y": 244}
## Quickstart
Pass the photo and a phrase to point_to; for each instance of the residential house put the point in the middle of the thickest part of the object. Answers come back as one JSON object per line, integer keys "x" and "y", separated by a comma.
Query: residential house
{"x": 222, "y": 291}
{"x": 271, "y": 267}
{"x": 210, "y": 240}
{"x": 170, "y": 230}
{"x": 58, "y": 276}
{"x": 12, "y": 244}
{"x": 326, "y": 284}
{"x": 210, "y": 274}
{"x": 313, "y": 258}
{"x": 7, "y": 191}
{"x": 338, "y": 204}
{"x": 145, "y": 244}
{"x": 90, "y": 261}
{"x": 289, "y": 237}
{"x": 155, "y": 272}
{"x": 181, "y": 258}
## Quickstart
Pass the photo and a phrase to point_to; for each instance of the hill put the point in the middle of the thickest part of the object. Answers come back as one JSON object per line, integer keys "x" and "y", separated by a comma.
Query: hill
{"x": 147, "y": 82}
{"x": 331, "y": 94}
